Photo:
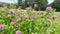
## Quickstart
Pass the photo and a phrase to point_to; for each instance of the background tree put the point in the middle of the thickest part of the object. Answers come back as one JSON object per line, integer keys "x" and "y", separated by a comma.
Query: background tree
{"x": 18, "y": 4}
{"x": 56, "y": 5}
{"x": 42, "y": 4}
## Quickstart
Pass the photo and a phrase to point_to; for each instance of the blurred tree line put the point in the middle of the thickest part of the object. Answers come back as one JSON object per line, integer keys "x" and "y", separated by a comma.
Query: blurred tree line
{"x": 41, "y": 4}
{"x": 35, "y": 4}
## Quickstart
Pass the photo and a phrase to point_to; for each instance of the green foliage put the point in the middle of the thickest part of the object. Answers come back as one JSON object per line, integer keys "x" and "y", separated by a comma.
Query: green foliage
{"x": 27, "y": 26}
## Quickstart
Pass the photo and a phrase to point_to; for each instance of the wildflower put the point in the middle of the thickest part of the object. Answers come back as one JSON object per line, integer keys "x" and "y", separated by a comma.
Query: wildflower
{"x": 18, "y": 19}
{"x": 18, "y": 32}
{"x": 1, "y": 26}
{"x": 41, "y": 15}
{"x": 12, "y": 12}
{"x": 54, "y": 17}
{"x": 5, "y": 6}
{"x": 49, "y": 17}
{"x": 49, "y": 8}
{"x": 13, "y": 23}
{"x": 33, "y": 18}
{"x": 26, "y": 16}
{"x": 1, "y": 30}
